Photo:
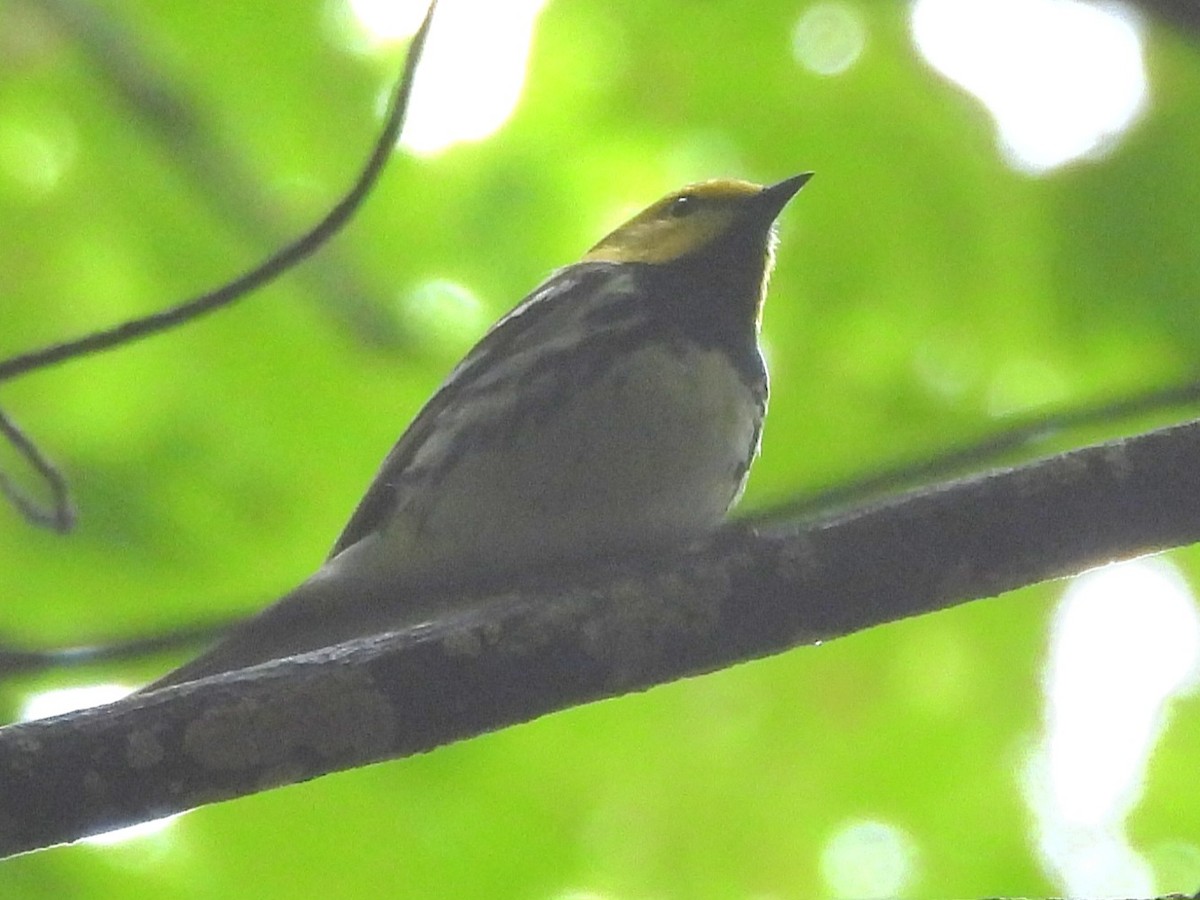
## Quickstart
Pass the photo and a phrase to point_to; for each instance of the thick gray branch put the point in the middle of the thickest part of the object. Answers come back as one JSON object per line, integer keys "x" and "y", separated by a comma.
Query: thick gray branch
{"x": 744, "y": 593}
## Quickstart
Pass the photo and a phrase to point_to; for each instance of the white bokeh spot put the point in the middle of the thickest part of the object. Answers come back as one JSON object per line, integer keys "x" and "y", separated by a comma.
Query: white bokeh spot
{"x": 1125, "y": 642}
{"x": 1062, "y": 79}
{"x": 472, "y": 72}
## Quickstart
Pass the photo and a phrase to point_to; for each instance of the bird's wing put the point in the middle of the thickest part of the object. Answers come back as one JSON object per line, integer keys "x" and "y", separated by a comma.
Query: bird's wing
{"x": 526, "y": 333}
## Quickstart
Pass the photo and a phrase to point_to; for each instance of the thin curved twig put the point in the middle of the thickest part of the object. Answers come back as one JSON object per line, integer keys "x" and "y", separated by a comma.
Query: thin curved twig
{"x": 126, "y": 65}
{"x": 268, "y": 270}
{"x": 60, "y": 515}
{"x": 20, "y": 661}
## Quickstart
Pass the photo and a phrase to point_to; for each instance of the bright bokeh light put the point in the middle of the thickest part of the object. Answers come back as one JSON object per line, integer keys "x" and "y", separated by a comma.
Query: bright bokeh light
{"x": 447, "y": 315}
{"x": 57, "y": 702}
{"x": 384, "y": 21}
{"x": 472, "y": 71}
{"x": 829, "y": 38}
{"x": 1062, "y": 79}
{"x": 867, "y": 859}
{"x": 44, "y": 704}
{"x": 1125, "y": 642}
{"x": 35, "y": 156}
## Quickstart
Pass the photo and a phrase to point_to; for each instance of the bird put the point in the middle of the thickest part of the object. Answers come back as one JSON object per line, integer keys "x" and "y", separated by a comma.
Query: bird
{"x": 615, "y": 410}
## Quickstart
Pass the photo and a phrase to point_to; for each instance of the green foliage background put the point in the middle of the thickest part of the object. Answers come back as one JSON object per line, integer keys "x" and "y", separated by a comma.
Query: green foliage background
{"x": 214, "y": 466}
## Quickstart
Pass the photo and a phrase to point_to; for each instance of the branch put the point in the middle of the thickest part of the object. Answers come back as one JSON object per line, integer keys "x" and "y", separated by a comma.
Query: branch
{"x": 744, "y": 593}
{"x": 988, "y": 449}
{"x": 223, "y": 178}
{"x": 60, "y": 516}
{"x": 16, "y": 660}
{"x": 262, "y": 274}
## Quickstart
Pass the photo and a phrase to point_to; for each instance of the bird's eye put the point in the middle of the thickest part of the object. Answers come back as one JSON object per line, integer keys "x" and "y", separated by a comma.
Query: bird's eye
{"x": 682, "y": 206}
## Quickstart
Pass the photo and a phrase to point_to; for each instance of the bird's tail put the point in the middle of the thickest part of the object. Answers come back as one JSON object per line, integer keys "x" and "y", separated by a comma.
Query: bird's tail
{"x": 321, "y": 612}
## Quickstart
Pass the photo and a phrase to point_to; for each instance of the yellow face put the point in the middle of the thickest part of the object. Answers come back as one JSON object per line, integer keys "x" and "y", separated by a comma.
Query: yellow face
{"x": 679, "y": 223}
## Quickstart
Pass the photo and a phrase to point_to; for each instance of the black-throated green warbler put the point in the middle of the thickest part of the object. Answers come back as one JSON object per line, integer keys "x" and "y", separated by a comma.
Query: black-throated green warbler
{"x": 617, "y": 408}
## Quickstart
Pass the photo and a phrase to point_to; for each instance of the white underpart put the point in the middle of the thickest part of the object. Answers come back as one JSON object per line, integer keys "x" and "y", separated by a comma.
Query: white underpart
{"x": 655, "y": 460}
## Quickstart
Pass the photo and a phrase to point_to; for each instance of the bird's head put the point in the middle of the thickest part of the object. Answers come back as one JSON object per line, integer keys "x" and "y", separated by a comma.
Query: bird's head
{"x": 697, "y": 217}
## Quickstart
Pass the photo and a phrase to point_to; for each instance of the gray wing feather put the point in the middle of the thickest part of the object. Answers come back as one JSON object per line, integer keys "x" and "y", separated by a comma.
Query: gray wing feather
{"x": 521, "y": 330}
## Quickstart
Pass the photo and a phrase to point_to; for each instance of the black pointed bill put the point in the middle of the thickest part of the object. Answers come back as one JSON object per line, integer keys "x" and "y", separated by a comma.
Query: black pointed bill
{"x": 775, "y": 197}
